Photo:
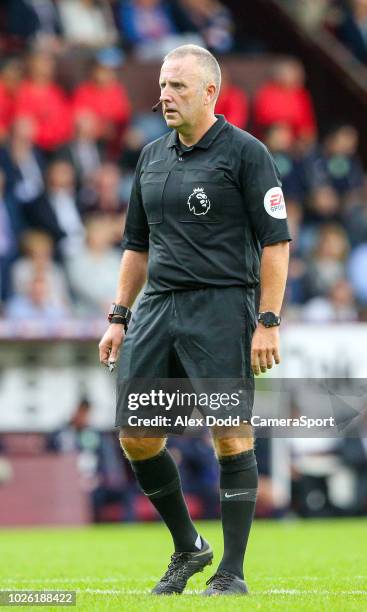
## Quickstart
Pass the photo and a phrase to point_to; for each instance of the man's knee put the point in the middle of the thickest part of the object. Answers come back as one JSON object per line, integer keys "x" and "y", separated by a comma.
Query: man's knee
{"x": 233, "y": 441}
{"x": 138, "y": 449}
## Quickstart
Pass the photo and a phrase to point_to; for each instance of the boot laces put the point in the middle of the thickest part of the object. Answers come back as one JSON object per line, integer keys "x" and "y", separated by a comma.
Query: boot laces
{"x": 220, "y": 580}
{"x": 176, "y": 567}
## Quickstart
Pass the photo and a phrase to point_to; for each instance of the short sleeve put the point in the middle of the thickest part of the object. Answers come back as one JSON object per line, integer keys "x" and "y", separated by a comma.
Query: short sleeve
{"x": 262, "y": 189}
{"x": 136, "y": 234}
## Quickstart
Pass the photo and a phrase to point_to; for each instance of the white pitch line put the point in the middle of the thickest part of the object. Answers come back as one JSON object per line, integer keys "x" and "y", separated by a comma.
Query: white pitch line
{"x": 74, "y": 580}
{"x": 309, "y": 592}
{"x": 114, "y": 591}
{"x": 189, "y": 592}
{"x": 152, "y": 578}
{"x": 271, "y": 592}
{"x": 313, "y": 578}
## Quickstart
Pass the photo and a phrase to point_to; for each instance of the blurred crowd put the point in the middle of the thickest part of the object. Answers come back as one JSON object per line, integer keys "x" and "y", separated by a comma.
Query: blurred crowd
{"x": 327, "y": 476}
{"x": 146, "y": 27}
{"x": 346, "y": 19}
{"x": 68, "y": 150}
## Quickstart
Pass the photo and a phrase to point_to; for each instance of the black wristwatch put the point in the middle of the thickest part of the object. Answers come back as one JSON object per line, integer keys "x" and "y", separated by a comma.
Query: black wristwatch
{"x": 120, "y": 314}
{"x": 269, "y": 319}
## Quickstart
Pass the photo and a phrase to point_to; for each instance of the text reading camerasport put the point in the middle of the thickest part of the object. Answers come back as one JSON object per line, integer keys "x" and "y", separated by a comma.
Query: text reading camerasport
{"x": 302, "y": 421}
{"x": 166, "y": 401}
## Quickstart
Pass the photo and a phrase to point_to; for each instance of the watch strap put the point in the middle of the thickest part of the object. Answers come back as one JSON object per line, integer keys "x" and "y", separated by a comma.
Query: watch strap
{"x": 119, "y": 314}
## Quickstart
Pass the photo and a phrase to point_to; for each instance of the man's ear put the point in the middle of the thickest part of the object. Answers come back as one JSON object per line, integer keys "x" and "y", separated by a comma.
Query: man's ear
{"x": 210, "y": 93}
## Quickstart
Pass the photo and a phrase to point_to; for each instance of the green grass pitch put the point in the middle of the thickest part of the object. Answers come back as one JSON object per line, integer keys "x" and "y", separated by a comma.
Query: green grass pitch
{"x": 291, "y": 565}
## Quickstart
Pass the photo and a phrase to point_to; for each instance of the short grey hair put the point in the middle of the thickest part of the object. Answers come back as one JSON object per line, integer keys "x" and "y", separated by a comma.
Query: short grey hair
{"x": 205, "y": 59}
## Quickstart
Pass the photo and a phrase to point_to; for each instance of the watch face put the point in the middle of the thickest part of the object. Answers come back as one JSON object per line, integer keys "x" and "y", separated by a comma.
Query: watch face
{"x": 269, "y": 319}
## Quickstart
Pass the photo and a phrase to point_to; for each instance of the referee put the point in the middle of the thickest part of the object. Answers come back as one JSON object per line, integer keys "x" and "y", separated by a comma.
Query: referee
{"x": 206, "y": 224}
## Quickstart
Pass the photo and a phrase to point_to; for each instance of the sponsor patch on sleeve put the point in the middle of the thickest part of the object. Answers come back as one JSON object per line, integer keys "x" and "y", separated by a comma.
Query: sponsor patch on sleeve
{"x": 274, "y": 203}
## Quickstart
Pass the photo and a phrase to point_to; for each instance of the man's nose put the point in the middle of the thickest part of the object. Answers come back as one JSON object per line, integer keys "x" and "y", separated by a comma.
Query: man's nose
{"x": 165, "y": 96}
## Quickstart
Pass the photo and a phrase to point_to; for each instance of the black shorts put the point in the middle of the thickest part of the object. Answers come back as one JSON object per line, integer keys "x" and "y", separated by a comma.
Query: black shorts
{"x": 198, "y": 340}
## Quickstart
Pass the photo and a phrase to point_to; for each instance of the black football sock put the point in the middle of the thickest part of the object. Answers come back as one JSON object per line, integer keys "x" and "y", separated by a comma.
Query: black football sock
{"x": 160, "y": 481}
{"x": 238, "y": 488}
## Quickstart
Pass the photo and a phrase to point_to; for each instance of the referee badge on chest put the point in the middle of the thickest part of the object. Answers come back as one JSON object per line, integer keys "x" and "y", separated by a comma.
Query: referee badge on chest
{"x": 198, "y": 202}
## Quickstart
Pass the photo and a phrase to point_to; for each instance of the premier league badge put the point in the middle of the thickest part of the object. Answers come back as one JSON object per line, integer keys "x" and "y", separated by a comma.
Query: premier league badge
{"x": 198, "y": 202}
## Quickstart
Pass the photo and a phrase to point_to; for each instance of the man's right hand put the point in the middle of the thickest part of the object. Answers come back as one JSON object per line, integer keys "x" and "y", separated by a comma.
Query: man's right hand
{"x": 111, "y": 342}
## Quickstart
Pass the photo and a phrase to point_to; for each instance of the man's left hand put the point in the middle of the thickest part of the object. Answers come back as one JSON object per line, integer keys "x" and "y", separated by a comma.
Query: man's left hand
{"x": 264, "y": 348}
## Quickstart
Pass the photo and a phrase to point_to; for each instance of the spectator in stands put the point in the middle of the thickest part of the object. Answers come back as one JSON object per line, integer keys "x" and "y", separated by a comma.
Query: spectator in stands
{"x": 327, "y": 265}
{"x": 144, "y": 128}
{"x": 295, "y": 293}
{"x": 35, "y": 20}
{"x": 311, "y": 14}
{"x": 280, "y": 140}
{"x": 338, "y": 163}
{"x": 145, "y": 24}
{"x": 37, "y": 260}
{"x": 48, "y": 15}
{"x": 9, "y": 227}
{"x": 35, "y": 303}
{"x": 284, "y": 99}
{"x": 62, "y": 202}
{"x": 213, "y": 21}
{"x": 105, "y": 97}
{"x": 337, "y": 305}
{"x": 22, "y": 163}
{"x": 198, "y": 471}
{"x": 25, "y": 189}
{"x": 357, "y": 272}
{"x": 353, "y": 452}
{"x": 97, "y": 260}
{"x": 69, "y": 439}
{"x": 355, "y": 217}
{"x": 10, "y": 77}
{"x": 42, "y": 100}
{"x": 100, "y": 467}
{"x": 49, "y": 30}
{"x": 314, "y": 465}
{"x": 353, "y": 29}
{"x": 324, "y": 204}
{"x": 21, "y": 19}
{"x": 84, "y": 151}
{"x": 102, "y": 194}
{"x": 232, "y": 102}
{"x": 87, "y": 22}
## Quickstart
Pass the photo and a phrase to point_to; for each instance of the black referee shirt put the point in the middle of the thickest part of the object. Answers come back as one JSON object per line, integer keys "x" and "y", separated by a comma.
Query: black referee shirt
{"x": 205, "y": 211}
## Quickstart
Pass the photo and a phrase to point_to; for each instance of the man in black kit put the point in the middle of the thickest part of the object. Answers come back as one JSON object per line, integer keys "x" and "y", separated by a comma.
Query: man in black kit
{"x": 206, "y": 223}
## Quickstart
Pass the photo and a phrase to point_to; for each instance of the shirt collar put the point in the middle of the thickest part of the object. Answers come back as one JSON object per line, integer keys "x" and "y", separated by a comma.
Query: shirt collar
{"x": 205, "y": 141}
